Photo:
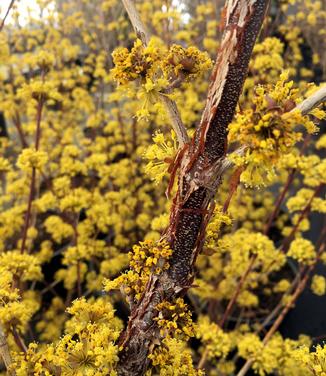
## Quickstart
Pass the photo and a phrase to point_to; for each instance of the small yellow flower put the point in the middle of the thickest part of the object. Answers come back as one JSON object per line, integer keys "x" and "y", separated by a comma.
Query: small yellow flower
{"x": 318, "y": 285}
{"x": 31, "y": 158}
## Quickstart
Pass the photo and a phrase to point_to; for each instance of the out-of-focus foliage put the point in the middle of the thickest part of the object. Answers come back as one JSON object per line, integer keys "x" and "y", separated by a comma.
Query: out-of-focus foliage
{"x": 94, "y": 142}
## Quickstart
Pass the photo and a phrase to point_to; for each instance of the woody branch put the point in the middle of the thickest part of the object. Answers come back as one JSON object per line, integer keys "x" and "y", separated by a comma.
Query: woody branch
{"x": 198, "y": 179}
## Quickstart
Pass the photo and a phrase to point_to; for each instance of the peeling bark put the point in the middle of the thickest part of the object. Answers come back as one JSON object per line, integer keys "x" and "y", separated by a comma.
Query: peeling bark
{"x": 198, "y": 180}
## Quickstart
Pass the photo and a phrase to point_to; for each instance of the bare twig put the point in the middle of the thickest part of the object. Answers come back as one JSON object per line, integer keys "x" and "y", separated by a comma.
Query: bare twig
{"x": 202, "y": 361}
{"x": 4, "y": 350}
{"x": 18, "y": 340}
{"x": 17, "y": 124}
{"x": 6, "y": 15}
{"x": 237, "y": 291}
{"x": 312, "y": 101}
{"x": 33, "y": 178}
{"x": 136, "y": 22}
{"x": 175, "y": 117}
{"x": 227, "y": 163}
{"x": 169, "y": 104}
{"x": 283, "y": 248}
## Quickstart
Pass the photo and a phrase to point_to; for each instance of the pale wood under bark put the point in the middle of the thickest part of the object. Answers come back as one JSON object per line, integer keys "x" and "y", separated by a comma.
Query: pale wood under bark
{"x": 312, "y": 101}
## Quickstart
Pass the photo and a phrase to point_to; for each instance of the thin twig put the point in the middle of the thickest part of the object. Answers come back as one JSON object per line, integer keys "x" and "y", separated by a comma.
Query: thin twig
{"x": 237, "y": 291}
{"x": 136, "y": 22}
{"x": 279, "y": 201}
{"x": 4, "y": 350}
{"x": 18, "y": 125}
{"x": 18, "y": 340}
{"x": 6, "y": 15}
{"x": 312, "y": 101}
{"x": 202, "y": 360}
{"x": 227, "y": 163}
{"x": 283, "y": 248}
{"x": 169, "y": 104}
{"x": 33, "y": 178}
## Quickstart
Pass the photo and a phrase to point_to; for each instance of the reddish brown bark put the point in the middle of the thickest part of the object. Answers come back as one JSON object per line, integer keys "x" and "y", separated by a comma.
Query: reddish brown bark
{"x": 198, "y": 179}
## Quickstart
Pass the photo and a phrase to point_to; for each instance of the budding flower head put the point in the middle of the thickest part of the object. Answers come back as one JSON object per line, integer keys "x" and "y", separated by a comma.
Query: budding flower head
{"x": 39, "y": 90}
{"x": 31, "y": 158}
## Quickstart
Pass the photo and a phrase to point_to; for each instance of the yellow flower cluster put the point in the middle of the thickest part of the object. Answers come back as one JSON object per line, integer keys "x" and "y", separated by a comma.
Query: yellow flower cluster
{"x": 31, "y": 158}
{"x": 213, "y": 229}
{"x": 174, "y": 358}
{"x": 135, "y": 63}
{"x": 278, "y": 354}
{"x": 299, "y": 201}
{"x": 52, "y": 323}
{"x": 146, "y": 61}
{"x": 160, "y": 70}
{"x": 160, "y": 156}
{"x": 22, "y": 266}
{"x": 314, "y": 362}
{"x": 87, "y": 348}
{"x": 39, "y": 90}
{"x": 174, "y": 319}
{"x": 318, "y": 285}
{"x": 266, "y": 62}
{"x": 268, "y": 131}
{"x": 147, "y": 257}
{"x": 232, "y": 256}
{"x": 216, "y": 342}
{"x": 190, "y": 61}
{"x": 302, "y": 250}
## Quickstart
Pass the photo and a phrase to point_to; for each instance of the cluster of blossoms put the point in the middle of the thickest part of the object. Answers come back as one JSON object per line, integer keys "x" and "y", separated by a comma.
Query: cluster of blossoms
{"x": 147, "y": 257}
{"x": 159, "y": 69}
{"x": 269, "y": 130}
{"x": 231, "y": 259}
{"x": 277, "y": 353}
{"x": 174, "y": 319}
{"x": 313, "y": 363}
{"x": 88, "y": 347}
{"x": 218, "y": 344}
{"x": 31, "y": 158}
{"x": 303, "y": 251}
{"x": 174, "y": 358}
{"x": 160, "y": 156}
{"x": 156, "y": 62}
